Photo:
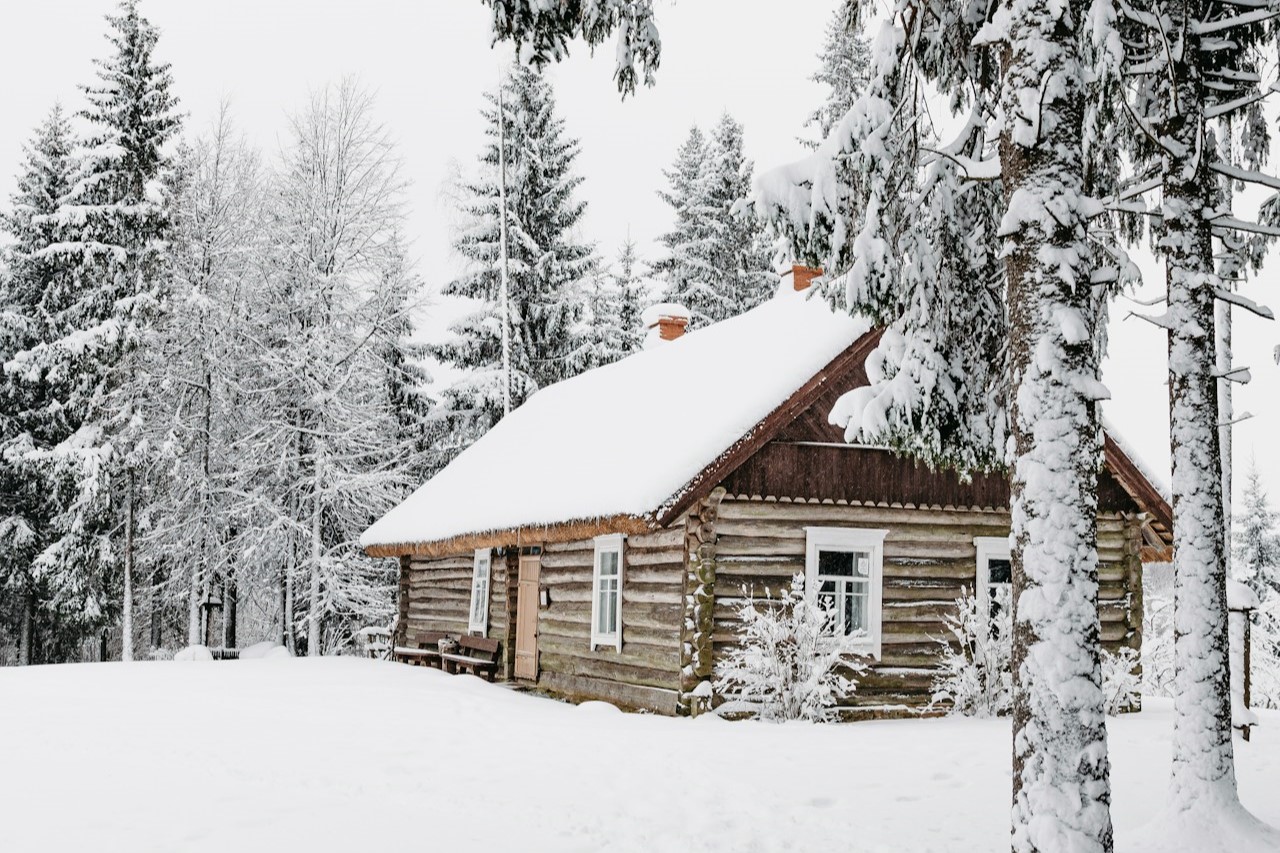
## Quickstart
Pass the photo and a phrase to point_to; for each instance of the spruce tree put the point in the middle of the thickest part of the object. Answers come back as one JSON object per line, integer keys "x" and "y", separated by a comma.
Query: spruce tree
{"x": 114, "y": 221}
{"x": 32, "y": 421}
{"x": 610, "y": 327}
{"x": 1257, "y": 564}
{"x": 1198, "y": 137}
{"x": 550, "y": 269}
{"x": 843, "y": 69}
{"x": 718, "y": 266}
{"x": 633, "y": 297}
{"x": 915, "y": 224}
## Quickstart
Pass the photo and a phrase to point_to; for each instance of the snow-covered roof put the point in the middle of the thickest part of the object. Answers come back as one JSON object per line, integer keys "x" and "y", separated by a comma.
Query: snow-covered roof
{"x": 627, "y": 438}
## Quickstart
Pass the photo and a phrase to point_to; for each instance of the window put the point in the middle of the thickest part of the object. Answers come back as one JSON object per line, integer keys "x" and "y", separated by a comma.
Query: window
{"x": 478, "y": 621}
{"x": 606, "y": 592}
{"x": 844, "y": 569}
{"x": 995, "y": 573}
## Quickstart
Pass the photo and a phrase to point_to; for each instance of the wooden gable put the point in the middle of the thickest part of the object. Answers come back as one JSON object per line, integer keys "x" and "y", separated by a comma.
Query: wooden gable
{"x": 795, "y": 453}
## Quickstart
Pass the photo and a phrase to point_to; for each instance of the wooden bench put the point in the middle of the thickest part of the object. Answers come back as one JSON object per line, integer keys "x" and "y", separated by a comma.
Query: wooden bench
{"x": 426, "y": 652}
{"x": 477, "y": 655}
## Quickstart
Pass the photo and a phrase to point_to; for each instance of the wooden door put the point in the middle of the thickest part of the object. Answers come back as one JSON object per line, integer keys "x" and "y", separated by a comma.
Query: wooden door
{"x": 527, "y": 600}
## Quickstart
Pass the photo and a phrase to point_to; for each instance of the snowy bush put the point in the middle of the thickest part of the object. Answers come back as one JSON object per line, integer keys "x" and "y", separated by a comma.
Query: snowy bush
{"x": 1157, "y": 643}
{"x": 193, "y": 653}
{"x": 1120, "y": 680}
{"x": 976, "y": 676}
{"x": 790, "y": 665}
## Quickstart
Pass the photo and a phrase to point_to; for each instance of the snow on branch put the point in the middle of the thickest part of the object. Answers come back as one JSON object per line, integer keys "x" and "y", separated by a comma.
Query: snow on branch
{"x": 1164, "y": 321}
{"x": 1242, "y": 375}
{"x": 1245, "y": 303}
{"x": 1222, "y": 220}
{"x": 1218, "y": 110}
{"x": 1247, "y": 175}
{"x": 1256, "y": 17}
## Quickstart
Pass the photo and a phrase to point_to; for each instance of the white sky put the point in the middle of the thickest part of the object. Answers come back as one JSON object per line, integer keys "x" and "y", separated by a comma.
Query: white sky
{"x": 428, "y": 61}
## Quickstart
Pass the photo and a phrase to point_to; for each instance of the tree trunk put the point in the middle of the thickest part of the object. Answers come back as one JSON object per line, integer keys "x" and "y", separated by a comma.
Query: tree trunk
{"x": 286, "y": 611}
{"x": 1203, "y": 761}
{"x": 126, "y": 626}
{"x": 1226, "y": 411}
{"x": 1061, "y": 784}
{"x": 229, "y": 615}
{"x": 317, "y": 553}
{"x": 25, "y": 631}
{"x": 193, "y": 606}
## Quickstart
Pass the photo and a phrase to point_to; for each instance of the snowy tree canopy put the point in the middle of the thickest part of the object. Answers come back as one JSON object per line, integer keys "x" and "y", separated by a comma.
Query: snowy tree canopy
{"x": 542, "y": 31}
{"x": 717, "y": 264}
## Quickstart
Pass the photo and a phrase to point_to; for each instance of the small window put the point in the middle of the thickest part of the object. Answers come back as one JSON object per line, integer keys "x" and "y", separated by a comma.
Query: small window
{"x": 995, "y": 573}
{"x": 606, "y": 593}
{"x": 844, "y": 570}
{"x": 478, "y": 621}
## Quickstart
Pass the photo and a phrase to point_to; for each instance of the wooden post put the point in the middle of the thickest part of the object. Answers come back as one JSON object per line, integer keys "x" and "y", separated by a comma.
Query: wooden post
{"x": 1239, "y": 630}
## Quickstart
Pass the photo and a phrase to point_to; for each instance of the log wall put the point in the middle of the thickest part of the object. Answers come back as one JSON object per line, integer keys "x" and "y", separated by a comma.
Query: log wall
{"x": 929, "y": 556}
{"x": 435, "y": 596}
{"x": 646, "y": 673}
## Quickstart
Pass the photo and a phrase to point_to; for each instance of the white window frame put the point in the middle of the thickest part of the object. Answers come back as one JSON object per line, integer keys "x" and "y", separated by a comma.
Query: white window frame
{"x": 989, "y": 548}
{"x": 481, "y": 572}
{"x": 851, "y": 539}
{"x": 609, "y": 544}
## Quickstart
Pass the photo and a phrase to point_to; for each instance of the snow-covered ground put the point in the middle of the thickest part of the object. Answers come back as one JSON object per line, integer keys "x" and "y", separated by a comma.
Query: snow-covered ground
{"x": 353, "y": 755}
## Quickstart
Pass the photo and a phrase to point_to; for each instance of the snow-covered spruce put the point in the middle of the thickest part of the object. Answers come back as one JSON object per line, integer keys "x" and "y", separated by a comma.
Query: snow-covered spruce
{"x": 542, "y": 31}
{"x": 551, "y": 269}
{"x": 790, "y": 663}
{"x": 908, "y": 224}
{"x": 108, "y": 231}
{"x": 1257, "y": 566}
{"x": 34, "y": 288}
{"x": 1044, "y": 365}
{"x": 1184, "y": 90}
{"x": 843, "y": 69}
{"x": 717, "y": 264}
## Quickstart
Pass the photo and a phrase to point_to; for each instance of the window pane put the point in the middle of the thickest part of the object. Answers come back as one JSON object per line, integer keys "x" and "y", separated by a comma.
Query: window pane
{"x": 835, "y": 563}
{"x": 608, "y": 563}
{"x": 856, "y": 615}
{"x": 607, "y": 607}
{"x": 1000, "y": 571}
{"x": 863, "y": 565}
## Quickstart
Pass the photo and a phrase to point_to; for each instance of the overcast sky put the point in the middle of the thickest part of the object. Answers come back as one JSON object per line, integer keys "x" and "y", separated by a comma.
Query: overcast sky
{"x": 428, "y": 61}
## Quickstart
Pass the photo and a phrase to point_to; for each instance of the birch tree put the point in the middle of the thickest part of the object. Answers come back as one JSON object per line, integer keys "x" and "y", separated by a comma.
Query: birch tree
{"x": 328, "y": 444}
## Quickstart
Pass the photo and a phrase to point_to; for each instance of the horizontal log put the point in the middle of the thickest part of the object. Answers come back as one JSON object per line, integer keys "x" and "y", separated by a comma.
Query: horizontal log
{"x": 756, "y": 546}
{"x": 630, "y": 696}
{"x": 632, "y": 669}
{"x": 441, "y": 563}
{"x": 671, "y": 538}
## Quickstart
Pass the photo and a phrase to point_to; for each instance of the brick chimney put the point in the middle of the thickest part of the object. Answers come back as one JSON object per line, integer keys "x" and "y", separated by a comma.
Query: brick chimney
{"x": 665, "y": 321}
{"x": 801, "y": 276}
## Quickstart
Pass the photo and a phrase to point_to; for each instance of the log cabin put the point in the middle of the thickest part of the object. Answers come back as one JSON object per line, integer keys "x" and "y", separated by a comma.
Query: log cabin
{"x": 605, "y": 531}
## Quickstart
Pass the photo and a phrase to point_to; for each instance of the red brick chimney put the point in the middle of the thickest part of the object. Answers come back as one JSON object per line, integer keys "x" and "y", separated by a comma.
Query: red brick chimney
{"x": 801, "y": 276}
{"x": 670, "y": 328}
{"x": 665, "y": 321}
